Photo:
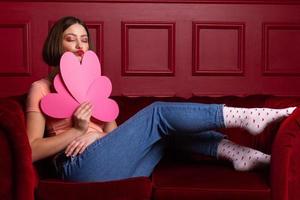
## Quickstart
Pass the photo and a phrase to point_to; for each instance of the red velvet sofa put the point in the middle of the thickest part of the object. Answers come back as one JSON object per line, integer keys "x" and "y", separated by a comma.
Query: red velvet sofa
{"x": 179, "y": 175}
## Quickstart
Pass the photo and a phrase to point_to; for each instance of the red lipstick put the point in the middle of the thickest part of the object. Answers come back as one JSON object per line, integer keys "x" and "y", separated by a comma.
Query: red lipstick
{"x": 80, "y": 52}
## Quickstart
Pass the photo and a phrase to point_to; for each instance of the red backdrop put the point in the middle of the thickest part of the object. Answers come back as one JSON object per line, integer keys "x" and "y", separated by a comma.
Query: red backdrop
{"x": 164, "y": 48}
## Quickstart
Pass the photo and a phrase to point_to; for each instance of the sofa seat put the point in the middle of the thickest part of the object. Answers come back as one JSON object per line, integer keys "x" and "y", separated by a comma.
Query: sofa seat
{"x": 128, "y": 189}
{"x": 209, "y": 180}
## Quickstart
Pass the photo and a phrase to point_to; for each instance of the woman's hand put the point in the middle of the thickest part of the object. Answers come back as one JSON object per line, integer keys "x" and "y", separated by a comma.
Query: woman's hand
{"x": 82, "y": 116}
{"x": 78, "y": 145}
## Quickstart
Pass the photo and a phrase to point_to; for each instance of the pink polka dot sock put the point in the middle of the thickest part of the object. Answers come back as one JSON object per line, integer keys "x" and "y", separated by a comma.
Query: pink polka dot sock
{"x": 253, "y": 119}
{"x": 243, "y": 158}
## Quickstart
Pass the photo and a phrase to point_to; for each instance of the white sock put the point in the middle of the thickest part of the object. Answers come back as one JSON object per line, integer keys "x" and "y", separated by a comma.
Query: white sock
{"x": 253, "y": 119}
{"x": 243, "y": 158}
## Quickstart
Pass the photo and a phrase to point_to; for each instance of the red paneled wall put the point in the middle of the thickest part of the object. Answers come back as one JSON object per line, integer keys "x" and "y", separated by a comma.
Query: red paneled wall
{"x": 164, "y": 48}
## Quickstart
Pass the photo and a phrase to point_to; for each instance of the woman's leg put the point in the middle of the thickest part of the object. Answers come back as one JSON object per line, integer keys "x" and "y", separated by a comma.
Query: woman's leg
{"x": 136, "y": 146}
{"x": 253, "y": 119}
{"x": 214, "y": 144}
{"x": 204, "y": 143}
{"x": 243, "y": 158}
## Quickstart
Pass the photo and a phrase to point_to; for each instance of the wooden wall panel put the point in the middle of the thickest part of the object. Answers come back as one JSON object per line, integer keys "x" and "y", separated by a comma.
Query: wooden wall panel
{"x": 218, "y": 49}
{"x": 164, "y": 48}
{"x": 16, "y": 46}
{"x": 281, "y": 49}
{"x": 148, "y": 48}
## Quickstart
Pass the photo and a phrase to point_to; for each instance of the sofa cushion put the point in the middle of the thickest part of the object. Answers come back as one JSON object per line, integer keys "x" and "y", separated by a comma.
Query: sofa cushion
{"x": 6, "y": 175}
{"x": 128, "y": 189}
{"x": 285, "y": 178}
{"x": 209, "y": 180}
{"x": 16, "y": 165}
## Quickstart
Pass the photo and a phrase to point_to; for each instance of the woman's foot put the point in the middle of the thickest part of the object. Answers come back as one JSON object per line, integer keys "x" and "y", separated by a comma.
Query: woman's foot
{"x": 243, "y": 158}
{"x": 253, "y": 119}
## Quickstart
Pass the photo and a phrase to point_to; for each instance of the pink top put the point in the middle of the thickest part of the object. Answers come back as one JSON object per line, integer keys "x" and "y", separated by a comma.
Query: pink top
{"x": 38, "y": 90}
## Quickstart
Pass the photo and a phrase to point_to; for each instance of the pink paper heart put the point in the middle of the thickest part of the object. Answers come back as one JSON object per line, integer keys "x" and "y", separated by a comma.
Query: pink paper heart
{"x": 59, "y": 84}
{"x": 101, "y": 86}
{"x": 78, "y": 77}
{"x": 61, "y": 104}
{"x": 58, "y": 106}
{"x": 71, "y": 93}
{"x": 104, "y": 109}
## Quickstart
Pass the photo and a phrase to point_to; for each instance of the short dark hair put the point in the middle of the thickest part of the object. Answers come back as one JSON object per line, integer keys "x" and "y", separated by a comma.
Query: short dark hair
{"x": 53, "y": 50}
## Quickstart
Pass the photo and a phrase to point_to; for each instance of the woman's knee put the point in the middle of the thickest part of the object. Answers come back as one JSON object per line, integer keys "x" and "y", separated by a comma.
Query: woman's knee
{"x": 157, "y": 104}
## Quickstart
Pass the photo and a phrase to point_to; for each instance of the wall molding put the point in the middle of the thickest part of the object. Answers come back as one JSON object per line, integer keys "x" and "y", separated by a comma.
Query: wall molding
{"x": 239, "y": 27}
{"x": 279, "y": 2}
{"x": 205, "y": 94}
{"x": 265, "y": 62}
{"x": 170, "y": 69}
{"x": 161, "y": 94}
{"x": 26, "y": 69}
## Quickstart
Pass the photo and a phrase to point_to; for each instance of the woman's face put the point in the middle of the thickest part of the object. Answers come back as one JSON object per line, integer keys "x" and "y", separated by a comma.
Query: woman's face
{"x": 75, "y": 40}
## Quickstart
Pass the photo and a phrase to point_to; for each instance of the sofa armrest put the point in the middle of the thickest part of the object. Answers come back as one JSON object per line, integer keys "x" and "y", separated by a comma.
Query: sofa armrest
{"x": 285, "y": 164}
{"x": 12, "y": 126}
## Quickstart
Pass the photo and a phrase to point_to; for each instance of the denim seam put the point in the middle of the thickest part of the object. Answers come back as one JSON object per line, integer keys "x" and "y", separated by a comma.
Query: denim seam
{"x": 215, "y": 146}
{"x": 220, "y": 115}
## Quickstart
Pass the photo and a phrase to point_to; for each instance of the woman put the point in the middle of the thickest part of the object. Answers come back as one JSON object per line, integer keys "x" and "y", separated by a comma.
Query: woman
{"x": 85, "y": 149}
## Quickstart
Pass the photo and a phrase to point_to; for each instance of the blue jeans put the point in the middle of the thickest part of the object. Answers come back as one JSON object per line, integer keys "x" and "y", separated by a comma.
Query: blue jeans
{"x": 136, "y": 146}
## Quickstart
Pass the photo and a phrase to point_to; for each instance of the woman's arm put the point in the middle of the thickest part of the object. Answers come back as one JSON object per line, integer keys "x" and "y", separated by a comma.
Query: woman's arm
{"x": 79, "y": 144}
{"x": 43, "y": 147}
{"x": 110, "y": 126}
